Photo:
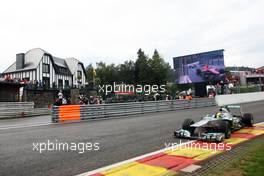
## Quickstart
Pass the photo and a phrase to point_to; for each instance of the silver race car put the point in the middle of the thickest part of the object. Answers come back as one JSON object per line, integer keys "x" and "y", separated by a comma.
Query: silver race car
{"x": 216, "y": 127}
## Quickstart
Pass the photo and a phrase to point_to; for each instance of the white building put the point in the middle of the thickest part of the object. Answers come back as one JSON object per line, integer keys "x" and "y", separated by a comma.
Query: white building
{"x": 37, "y": 65}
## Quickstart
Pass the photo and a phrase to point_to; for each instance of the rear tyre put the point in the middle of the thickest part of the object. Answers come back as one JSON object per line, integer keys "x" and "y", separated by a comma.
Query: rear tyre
{"x": 224, "y": 127}
{"x": 187, "y": 124}
{"x": 248, "y": 119}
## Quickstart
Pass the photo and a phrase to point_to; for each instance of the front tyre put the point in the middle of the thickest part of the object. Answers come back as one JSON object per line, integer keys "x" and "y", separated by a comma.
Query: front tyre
{"x": 248, "y": 119}
{"x": 224, "y": 127}
{"x": 187, "y": 124}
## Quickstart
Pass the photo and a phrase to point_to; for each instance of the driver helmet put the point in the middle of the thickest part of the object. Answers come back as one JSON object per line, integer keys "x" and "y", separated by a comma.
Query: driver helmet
{"x": 218, "y": 115}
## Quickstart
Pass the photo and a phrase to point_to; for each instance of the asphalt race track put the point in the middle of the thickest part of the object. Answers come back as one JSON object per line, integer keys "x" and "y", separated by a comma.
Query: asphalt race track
{"x": 119, "y": 138}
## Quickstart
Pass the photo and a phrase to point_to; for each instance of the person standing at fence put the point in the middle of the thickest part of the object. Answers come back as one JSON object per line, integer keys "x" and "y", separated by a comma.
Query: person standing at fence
{"x": 59, "y": 100}
{"x": 60, "y": 96}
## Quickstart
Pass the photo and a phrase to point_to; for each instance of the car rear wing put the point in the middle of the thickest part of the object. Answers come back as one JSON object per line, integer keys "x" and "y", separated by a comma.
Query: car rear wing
{"x": 232, "y": 106}
{"x": 235, "y": 110}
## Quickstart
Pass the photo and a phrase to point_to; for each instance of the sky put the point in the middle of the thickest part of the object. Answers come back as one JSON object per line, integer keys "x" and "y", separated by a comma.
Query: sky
{"x": 112, "y": 31}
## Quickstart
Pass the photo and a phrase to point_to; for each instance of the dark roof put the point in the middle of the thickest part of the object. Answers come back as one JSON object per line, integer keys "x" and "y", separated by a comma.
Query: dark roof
{"x": 61, "y": 67}
{"x": 60, "y": 62}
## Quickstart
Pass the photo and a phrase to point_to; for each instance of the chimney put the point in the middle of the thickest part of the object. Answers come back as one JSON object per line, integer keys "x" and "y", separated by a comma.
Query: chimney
{"x": 20, "y": 60}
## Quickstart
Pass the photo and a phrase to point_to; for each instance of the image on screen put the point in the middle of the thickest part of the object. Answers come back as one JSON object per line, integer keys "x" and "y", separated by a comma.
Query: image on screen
{"x": 201, "y": 67}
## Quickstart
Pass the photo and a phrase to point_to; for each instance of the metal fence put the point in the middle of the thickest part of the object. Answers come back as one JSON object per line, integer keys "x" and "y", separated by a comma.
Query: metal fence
{"x": 83, "y": 112}
{"x": 20, "y": 109}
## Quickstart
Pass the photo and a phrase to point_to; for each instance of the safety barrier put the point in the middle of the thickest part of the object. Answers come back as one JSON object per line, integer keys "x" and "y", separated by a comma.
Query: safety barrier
{"x": 83, "y": 112}
{"x": 239, "y": 98}
{"x": 20, "y": 109}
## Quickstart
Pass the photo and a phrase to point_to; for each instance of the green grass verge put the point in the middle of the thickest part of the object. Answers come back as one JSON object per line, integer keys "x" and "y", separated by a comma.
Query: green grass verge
{"x": 251, "y": 164}
{"x": 254, "y": 165}
{"x": 245, "y": 89}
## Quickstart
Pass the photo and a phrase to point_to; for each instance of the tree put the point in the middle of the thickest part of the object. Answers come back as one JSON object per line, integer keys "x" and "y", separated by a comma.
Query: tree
{"x": 107, "y": 74}
{"x": 89, "y": 71}
{"x": 127, "y": 72}
{"x": 142, "y": 68}
{"x": 160, "y": 70}
{"x": 143, "y": 71}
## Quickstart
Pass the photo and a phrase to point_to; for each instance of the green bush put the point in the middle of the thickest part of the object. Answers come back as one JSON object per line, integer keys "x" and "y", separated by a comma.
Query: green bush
{"x": 245, "y": 89}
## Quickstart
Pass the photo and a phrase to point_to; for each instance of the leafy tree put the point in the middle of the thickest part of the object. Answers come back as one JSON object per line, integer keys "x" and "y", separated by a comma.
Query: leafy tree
{"x": 239, "y": 68}
{"x": 101, "y": 72}
{"x": 107, "y": 74}
{"x": 89, "y": 72}
{"x": 142, "y": 68}
{"x": 160, "y": 70}
{"x": 127, "y": 72}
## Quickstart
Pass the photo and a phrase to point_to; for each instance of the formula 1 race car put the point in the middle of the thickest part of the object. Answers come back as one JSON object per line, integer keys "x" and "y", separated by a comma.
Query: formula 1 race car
{"x": 216, "y": 127}
{"x": 210, "y": 73}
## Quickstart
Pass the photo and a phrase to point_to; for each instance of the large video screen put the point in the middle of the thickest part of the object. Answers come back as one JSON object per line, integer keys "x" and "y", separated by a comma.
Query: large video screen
{"x": 201, "y": 67}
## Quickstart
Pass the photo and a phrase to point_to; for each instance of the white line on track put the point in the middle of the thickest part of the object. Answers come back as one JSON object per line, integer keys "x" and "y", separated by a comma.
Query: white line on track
{"x": 7, "y": 127}
{"x": 134, "y": 159}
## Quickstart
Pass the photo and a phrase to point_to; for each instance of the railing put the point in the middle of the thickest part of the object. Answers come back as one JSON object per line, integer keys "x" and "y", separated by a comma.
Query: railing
{"x": 83, "y": 112}
{"x": 20, "y": 109}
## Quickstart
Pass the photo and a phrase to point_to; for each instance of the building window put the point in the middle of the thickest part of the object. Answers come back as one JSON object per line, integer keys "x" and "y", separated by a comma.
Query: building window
{"x": 45, "y": 68}
{"x": 60, "y": 83}
{"x": 46, "y": 82}
{"x": 66, "y": 84}
{"x": 79, "y": 75}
